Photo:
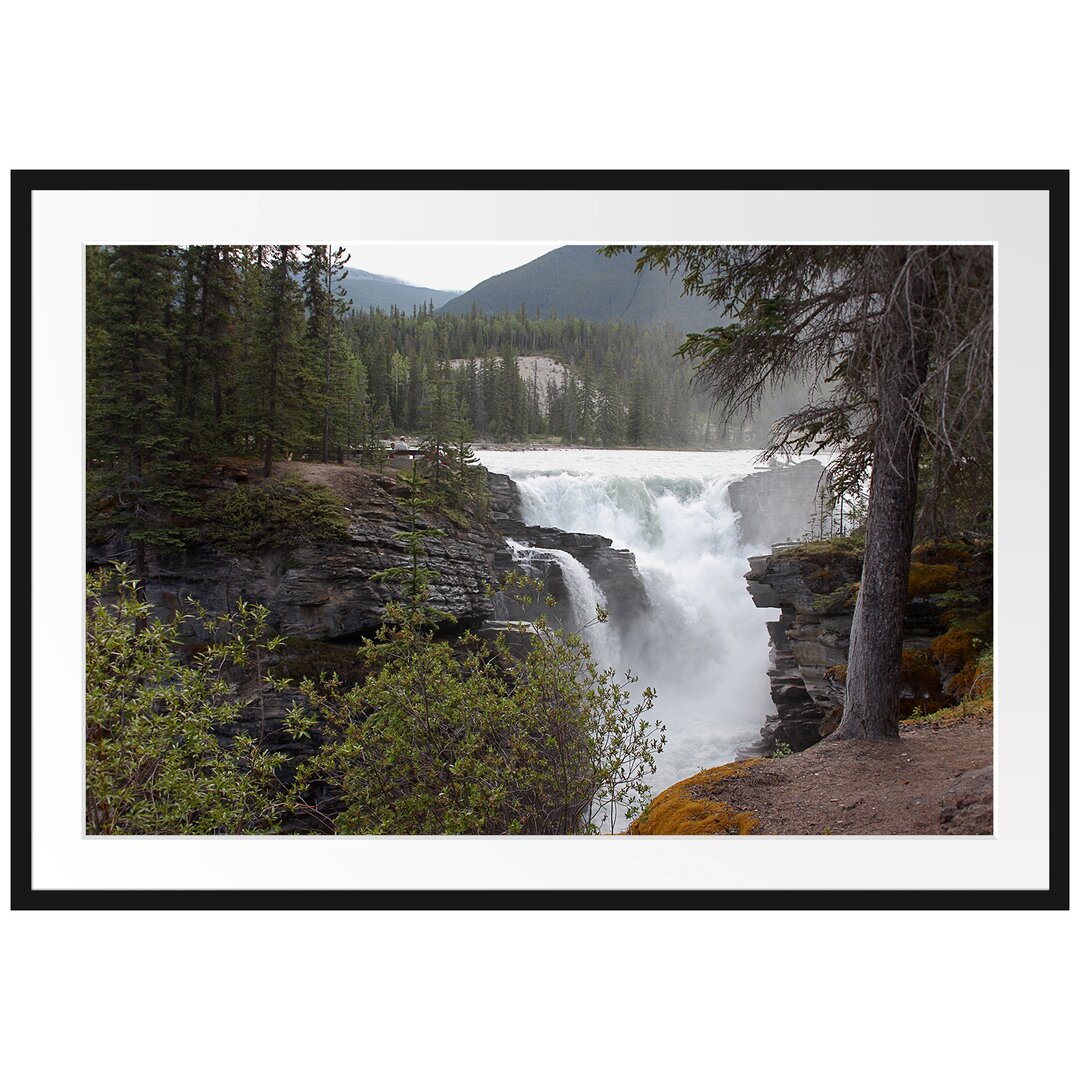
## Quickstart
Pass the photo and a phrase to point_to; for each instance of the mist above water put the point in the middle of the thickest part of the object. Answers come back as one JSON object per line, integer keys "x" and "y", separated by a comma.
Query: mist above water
{"x": 703, "y": 646}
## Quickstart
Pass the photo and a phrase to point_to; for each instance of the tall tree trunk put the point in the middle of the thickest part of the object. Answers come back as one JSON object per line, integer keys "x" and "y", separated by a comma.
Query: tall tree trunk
{"x": 271, "y": 415}
{"x": 329, "y": 332}
{"x": 872, "y": 698}
{"x": 268, "y": 446}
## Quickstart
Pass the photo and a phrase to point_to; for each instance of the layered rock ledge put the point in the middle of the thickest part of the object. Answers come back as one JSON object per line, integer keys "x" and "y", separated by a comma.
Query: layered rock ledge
{"x": 326, "y": 591}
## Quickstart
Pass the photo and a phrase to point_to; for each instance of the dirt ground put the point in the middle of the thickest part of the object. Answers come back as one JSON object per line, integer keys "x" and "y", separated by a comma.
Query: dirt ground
{"x": 349, "y": 481}
{"x": 937, "y": 778}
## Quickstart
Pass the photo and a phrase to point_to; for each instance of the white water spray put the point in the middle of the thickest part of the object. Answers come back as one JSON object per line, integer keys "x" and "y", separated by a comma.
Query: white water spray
{"x": 704, "y": 646}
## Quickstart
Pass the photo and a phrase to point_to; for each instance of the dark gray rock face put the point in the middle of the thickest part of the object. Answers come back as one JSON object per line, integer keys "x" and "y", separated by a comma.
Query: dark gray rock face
{"x": 503, "y": 496}
{"x": 326, "y": 591}
{"x": 776, "y": 505}
{"x": 810, "y": 637}
{"x": 804, "y": 644}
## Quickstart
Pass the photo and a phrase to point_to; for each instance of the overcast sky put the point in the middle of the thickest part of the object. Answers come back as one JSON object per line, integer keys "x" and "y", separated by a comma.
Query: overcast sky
{"x": 454, "y": 267}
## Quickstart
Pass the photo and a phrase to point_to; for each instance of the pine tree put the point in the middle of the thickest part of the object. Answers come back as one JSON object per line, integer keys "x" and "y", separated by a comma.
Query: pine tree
{"x": 610, "y": 424}
{"x": 326, "y": 305}
{"x": 588, "y": 405}
{"x": 640, "y": 414}
{"x": 279, "y": 354}
{"x": 441, "y": 418}
{"x": 206, "y": 340}
{"x": 470, "y": 477}
{"x": 134, "y": 438}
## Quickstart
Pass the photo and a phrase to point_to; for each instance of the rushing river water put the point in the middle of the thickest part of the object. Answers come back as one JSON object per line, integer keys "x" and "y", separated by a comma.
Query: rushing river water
{"x": 704, "y": 646}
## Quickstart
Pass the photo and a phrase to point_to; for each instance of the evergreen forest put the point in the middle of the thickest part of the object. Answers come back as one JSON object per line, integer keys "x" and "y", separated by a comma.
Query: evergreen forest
{"x": 256, "y": 351}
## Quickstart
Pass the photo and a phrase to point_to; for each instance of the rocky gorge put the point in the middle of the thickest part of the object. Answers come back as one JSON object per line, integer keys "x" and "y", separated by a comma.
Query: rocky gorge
{"x": 328, "y": 591}
{"x": 324, "y": 594}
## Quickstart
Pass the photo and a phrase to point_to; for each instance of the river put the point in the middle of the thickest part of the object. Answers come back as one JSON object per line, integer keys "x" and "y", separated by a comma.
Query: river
{"x": 704, "y": 647}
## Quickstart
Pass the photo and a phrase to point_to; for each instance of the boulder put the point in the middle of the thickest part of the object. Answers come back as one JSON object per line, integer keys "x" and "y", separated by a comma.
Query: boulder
{"x": 968, "y": 804}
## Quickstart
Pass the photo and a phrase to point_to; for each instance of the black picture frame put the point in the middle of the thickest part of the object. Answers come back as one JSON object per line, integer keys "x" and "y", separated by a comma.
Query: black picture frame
{"x": 27, "y": 705}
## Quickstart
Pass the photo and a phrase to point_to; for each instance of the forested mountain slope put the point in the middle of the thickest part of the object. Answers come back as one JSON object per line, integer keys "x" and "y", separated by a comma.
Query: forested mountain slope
{"x": 577, "y": 280}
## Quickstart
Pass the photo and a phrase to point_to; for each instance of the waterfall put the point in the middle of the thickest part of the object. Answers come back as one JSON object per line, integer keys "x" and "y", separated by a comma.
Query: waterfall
{"x": 703, "y": 646}
{"x": 584, "y": 595}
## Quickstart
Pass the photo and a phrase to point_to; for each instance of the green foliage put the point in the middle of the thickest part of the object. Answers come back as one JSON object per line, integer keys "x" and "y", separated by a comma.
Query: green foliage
{"x": 782, "y": 750}
{"x": 826, "y": 549}
{"x": 154, "y": 759}
{"x": 841, "y": 599}
{"x": 522, "y": 735}
{"x": 274, "y": 513}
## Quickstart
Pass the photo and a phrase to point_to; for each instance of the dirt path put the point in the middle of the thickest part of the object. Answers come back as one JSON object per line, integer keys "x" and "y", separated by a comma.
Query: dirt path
{"x": 937, "y": 778}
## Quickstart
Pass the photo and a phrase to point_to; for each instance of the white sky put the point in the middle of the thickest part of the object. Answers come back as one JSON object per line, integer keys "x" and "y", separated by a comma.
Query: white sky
{"x": 451, "y": 266}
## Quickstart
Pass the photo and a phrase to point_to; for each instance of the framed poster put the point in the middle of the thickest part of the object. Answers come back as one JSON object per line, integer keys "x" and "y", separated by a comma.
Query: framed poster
{"x": 1021, "y": 216}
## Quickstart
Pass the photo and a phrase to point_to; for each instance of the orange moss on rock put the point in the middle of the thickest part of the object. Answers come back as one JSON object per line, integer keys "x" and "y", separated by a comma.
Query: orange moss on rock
{"x": 954, "y": 649}
{"x": 690, "y": 808}
{"x": 925, "y": 579}
{"x": 917, "y": 673}
{"x": 961, "y": 684}
{"x": 920, "y": 684}
{"x": 937, "y": 552}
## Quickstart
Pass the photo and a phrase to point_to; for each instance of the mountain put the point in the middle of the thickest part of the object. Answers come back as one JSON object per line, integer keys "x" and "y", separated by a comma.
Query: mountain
{"x": 577, "y": 280}
{"x": 373, "y": 291}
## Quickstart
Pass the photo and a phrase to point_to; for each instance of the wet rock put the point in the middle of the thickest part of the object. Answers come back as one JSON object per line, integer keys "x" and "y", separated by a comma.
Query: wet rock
{"x": 613, "y": 569}
{"x": 502, "y": 496}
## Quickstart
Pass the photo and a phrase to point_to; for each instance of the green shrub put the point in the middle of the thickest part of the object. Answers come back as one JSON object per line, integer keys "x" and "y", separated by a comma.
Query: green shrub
{"x": 154, "y": 761}
{"x": 487, "y": 738}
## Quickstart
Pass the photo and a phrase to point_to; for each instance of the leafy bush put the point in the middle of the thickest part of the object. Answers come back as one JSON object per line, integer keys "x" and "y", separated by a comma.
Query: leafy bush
{"x": 154, "y": 762}
{"x": 274, "y": 513}
{"x": 484, "y": 738}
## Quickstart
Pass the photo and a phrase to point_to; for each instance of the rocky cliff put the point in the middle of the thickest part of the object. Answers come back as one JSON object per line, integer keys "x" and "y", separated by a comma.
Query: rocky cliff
{"x": 325, "y": 591}
{"x": 948, "y": 622}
